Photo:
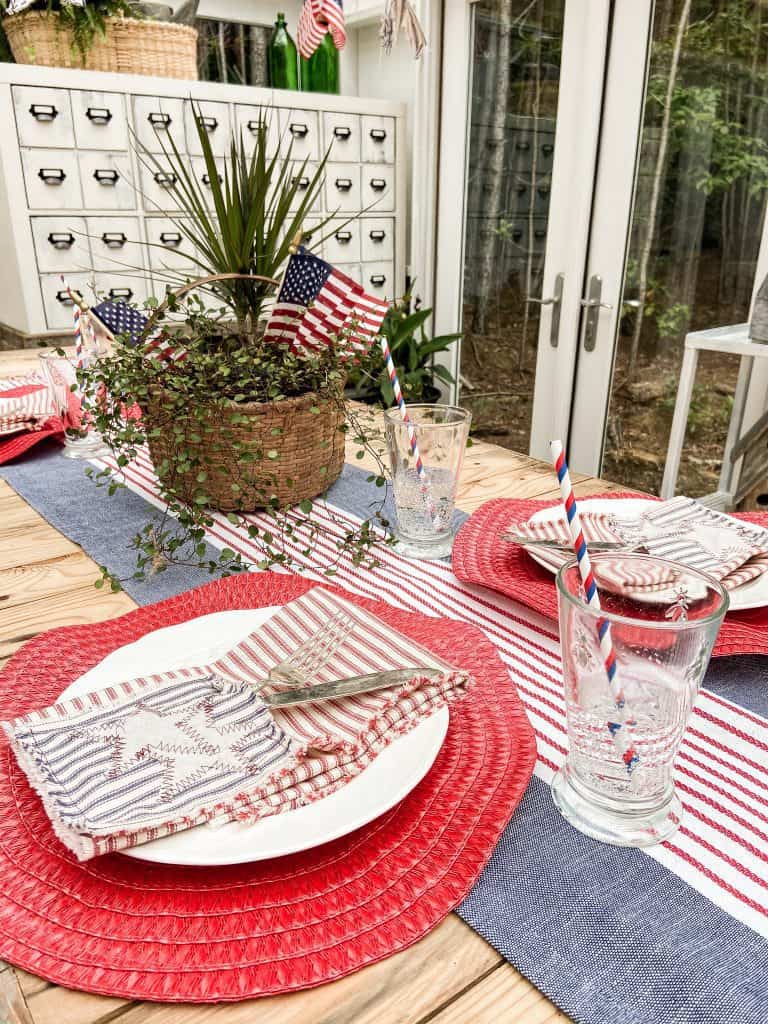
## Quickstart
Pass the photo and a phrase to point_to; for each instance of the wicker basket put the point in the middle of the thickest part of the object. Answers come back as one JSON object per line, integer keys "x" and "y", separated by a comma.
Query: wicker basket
{"x": 131, "y": 46}
{"x": 291, "y": 449}
{"x": 305, "y": 457}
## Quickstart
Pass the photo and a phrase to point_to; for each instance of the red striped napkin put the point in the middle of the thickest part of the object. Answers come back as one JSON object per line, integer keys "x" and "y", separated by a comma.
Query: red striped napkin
{"x": 28, "y": 414}
{"x": 681, "y": 530}
{"x": 167, "y": 752}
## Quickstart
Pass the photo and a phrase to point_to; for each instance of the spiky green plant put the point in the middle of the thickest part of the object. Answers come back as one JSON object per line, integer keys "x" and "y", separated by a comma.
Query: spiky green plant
{"x": 259, "y": 207}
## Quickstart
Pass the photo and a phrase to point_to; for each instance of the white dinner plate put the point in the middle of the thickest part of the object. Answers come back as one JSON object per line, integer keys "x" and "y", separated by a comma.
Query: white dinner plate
{"x": 390, "y": 777}
{"x": 751, "y": 595}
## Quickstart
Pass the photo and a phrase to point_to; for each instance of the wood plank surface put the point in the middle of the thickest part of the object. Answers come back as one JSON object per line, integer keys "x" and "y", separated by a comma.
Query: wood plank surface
{"x": 452, "y": 976}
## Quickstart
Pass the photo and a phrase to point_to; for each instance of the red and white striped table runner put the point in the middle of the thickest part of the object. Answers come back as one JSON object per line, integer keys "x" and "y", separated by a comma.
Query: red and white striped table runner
{"x": 722, "y": 770}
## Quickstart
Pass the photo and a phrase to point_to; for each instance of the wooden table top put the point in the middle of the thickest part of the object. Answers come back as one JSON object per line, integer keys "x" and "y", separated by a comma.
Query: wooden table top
{"x": 452, "y": 976}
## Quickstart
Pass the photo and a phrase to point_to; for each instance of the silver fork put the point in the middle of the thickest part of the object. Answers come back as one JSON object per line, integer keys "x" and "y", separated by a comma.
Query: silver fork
{"x": 311, "y": 655}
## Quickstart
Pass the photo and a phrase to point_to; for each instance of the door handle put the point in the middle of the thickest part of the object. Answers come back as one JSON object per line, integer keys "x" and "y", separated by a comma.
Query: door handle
{"x": 593, "y": 305}
{"x": 555, "y": 301}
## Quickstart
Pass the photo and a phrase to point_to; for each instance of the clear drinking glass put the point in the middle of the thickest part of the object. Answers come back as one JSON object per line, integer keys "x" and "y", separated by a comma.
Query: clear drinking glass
{"x": 60, "y": 374}
{"x": 662, "y": 639}
{"x": 424, "y": 503}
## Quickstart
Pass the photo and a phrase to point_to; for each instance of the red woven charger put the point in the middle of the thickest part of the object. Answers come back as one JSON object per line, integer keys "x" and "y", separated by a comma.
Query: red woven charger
{"x": 480, "y": 555}
{"x": 120, "y": 927}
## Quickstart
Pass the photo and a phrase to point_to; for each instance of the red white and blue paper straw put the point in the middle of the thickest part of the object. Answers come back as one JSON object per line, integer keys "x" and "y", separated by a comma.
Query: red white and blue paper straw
{"x": 618, "y": 729}
{"x": 420, "y": 470}
{"x": 78, "y": 325}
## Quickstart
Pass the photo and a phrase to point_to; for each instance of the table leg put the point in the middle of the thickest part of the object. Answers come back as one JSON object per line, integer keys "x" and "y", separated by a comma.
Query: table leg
{"x": 679, "y": 422}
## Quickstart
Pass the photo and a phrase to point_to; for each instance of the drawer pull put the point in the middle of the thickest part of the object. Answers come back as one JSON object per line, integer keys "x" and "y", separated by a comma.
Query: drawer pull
{"x": 548, "y": 149}
{"x": 165, "y": 179}
{"x": 99, "y": 115}
{"x": 341, "y": 132}
{"x": 517, "y": 234}
{"x": 206, "y": 179}
{"x": 540, "y": 233}
{"x": 121, "y": 294}
{"x": 114, "y": 239}
{"x": 523, "y": 146}
{"x": 378, "y": 280}
{"x": 300, "y": 183}
{"x": 521, "y": 189}
{"x": 43, "y": 111}
{"x": 378, "y": 134}
{"x": 106, "y": 177}
{"x": 64, "y": 298}
{"x": 255, "y": 126}
{"x": 378, "y": 184}
{"x": 209, "y": 123}
{"x": 61, "y": 239}
{"x": 51, "y": 175}
{"x": 299, "y": 131}
{"x": 343, "y": 184}
{"x": 343, "y": 237}
{"x": 159, "y": 120}
{"x": 543, "y": 191}
{"x": 170, "y": 238}
{"x": 377, "y": 236}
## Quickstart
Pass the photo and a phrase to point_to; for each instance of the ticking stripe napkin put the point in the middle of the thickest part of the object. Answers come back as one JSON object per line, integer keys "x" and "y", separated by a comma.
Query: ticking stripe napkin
{"x": 681, "y": 530}
{"x": 163, "y": 753}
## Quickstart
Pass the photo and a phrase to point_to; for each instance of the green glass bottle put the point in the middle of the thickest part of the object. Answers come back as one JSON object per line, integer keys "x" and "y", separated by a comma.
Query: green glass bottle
{"x": 321, "y": 72}
{"x": 283, "y": 58}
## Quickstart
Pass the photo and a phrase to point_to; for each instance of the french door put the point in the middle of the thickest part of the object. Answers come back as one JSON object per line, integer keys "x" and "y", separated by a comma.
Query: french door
{"x": 602, "y": 183}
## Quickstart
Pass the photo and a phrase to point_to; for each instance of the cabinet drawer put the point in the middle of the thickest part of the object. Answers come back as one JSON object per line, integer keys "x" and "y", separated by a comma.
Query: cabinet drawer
{"x": 157, "y": 193}
{"x": 303, "y": 179}
{"x": 107, "y": 181}
{"x": 56, "y": 302}
{"x": 299, "y": 131}
{"x": 343, "y": 245}
{"x": 43, "y": 117}
{"x": 121, "y": 287}
{"x": 61, "y": 244}
{"x": 351, "y": 270}
{"x": 378, "y": 139}
{"x": 157, "y": 118}
{"x": 215, "y": 119}
{"x": 342, "y": 188}
{"x": 379, "y": 279}
{"x": 378, "y": 239}
{"x": 342, "y": 133}
{"x": 200, "y": 172}
{"x": 378, "y": 187}
{"x": 52, "y": 179}
{"x": 116, "y": 244}
{"x": 99, "y": 119}
{"x": 248, "y": 119}
{"x": 167, "y": 245}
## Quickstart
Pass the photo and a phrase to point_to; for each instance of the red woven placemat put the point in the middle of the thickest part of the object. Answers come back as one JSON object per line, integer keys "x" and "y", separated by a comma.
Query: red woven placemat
{"x": 481, "y": 556}
{"x": 142, "y": 931}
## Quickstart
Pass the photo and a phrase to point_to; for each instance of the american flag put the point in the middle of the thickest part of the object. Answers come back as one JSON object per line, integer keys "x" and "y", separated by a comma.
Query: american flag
{"x": 318, "y": 17}
{"x": 317, "y": 302}
{"x": 120, "y": 318}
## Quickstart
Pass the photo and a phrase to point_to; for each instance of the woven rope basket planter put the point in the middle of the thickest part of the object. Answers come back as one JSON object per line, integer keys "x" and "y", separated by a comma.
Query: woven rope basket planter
{"x": 250, "y": 451}
{"x": 292, "y": 449}
{"x": 130, "y": 46}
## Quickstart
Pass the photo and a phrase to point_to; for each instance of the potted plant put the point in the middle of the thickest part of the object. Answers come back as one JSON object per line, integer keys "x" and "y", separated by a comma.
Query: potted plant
{"x": 101, "y": 35}
{"x": 413, "y": 355}
{"x": 233, "y": 422}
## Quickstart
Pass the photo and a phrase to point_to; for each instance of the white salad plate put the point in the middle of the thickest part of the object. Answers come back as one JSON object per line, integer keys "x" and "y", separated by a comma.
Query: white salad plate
{"x": 390, "y": 777}
{"x": 751, "y": 595}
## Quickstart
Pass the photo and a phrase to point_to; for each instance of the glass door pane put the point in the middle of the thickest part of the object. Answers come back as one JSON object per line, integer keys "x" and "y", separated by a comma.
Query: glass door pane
{"x": 700, "y": 192}
{"x": 515, "y": 81}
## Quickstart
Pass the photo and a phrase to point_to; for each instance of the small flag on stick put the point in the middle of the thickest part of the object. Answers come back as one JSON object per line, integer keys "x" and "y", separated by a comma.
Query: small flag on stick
{"x": 317, "y": 303}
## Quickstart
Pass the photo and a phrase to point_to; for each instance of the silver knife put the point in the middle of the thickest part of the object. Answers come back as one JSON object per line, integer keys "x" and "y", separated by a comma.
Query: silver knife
{"x": 348, "y": 687}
